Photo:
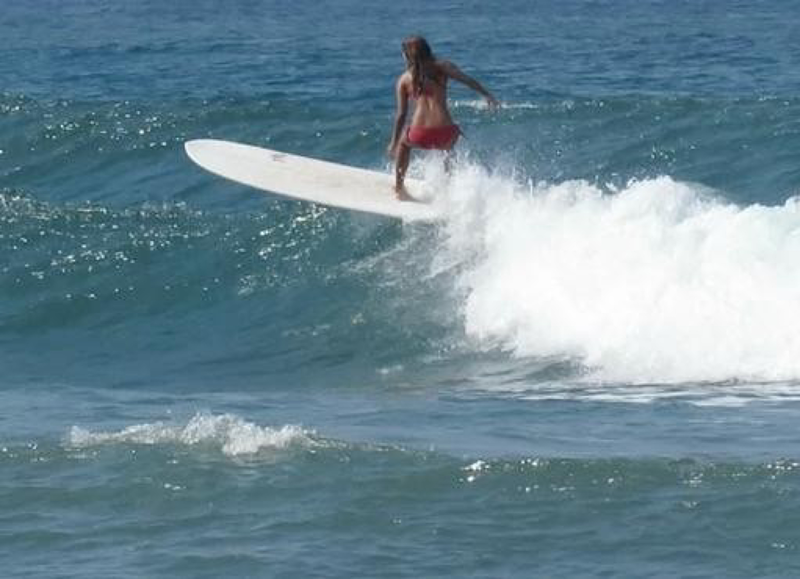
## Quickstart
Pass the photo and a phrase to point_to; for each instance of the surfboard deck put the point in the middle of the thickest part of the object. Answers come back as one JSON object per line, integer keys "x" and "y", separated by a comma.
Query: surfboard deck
{"x": 309, "y": 179}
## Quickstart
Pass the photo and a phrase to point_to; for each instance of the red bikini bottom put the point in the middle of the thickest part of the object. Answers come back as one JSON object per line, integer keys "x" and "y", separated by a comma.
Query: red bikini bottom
{"x": 433, "y": 137}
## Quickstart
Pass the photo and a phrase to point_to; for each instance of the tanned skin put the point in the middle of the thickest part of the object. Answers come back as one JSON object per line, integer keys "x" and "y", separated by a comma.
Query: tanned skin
{"x": 430, "y": 96}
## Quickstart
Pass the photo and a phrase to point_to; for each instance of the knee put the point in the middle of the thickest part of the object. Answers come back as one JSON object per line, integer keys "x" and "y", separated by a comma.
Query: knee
{"x": 403, "y": 150}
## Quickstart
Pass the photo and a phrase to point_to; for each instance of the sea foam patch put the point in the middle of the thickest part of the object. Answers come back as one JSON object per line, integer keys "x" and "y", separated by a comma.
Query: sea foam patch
{"x": 660, "y": 281}
{"x": 232, "y": 434}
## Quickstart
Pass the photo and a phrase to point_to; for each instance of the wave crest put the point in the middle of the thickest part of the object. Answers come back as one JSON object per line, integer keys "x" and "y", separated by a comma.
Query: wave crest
{"x": 233, "y": 435}
{"x": 659, "y": 281}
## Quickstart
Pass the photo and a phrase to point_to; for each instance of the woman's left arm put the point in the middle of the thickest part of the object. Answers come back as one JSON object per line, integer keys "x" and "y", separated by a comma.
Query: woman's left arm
{"x": 400, "y": 116}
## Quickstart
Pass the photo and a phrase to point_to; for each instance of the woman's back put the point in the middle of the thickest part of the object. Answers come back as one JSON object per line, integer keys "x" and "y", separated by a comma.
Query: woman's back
{"x": 429, "y": 95}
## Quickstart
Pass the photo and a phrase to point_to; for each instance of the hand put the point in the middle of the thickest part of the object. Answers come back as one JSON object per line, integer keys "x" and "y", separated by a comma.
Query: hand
{"x": 391, "y": 150}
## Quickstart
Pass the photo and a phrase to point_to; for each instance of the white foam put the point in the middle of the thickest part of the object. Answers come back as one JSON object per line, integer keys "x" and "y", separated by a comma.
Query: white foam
{"x": 657, "y": 282}
{"x": 231, "y": 433}
{"x": 482, "y": 105}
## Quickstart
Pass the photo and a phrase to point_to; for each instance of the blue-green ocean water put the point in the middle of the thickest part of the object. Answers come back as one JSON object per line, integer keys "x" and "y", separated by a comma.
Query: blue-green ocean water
{"x": 590, "y": 368}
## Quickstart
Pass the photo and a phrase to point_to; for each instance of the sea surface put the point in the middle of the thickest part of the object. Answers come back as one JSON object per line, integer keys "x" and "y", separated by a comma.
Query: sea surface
{"x": 589, "y": 368}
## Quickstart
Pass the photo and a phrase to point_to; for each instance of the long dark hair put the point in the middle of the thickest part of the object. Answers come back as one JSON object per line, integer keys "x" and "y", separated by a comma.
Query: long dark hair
{"x": 420, "y": 56}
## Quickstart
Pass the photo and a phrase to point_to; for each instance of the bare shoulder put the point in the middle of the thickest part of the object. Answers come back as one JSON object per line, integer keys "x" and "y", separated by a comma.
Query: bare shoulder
{"x": 404, "y": 81}
{"x": 448, "y": 67}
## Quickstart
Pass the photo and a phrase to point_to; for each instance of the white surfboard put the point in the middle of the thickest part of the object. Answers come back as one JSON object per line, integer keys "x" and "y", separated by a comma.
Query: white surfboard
{"x": 307, "y": 179}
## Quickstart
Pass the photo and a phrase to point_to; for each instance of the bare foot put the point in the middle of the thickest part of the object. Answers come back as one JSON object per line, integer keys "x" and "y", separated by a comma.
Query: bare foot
{"x": 402, "y": 194}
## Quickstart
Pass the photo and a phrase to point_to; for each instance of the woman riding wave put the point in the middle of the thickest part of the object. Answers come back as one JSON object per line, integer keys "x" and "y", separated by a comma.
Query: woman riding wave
{"x": 432, "y": 127}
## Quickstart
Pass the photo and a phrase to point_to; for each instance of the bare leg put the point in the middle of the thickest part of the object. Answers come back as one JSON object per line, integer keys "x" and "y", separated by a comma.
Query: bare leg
{"x": 402, "y": 161}
{"x": 448, "y": 156}
{"x": 448, "y": 162}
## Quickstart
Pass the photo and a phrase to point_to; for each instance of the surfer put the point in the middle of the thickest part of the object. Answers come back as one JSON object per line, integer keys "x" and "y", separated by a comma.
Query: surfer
{"x": 432, "y": 127}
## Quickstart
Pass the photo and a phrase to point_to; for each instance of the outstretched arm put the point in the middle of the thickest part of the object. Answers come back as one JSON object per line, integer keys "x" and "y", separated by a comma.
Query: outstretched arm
{"x": 454, "y": 72}
{"x": 400, "y": 116}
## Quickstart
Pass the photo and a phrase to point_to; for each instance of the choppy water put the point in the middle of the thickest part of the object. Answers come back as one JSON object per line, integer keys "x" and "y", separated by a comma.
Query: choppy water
{"x": 590, "y": 368}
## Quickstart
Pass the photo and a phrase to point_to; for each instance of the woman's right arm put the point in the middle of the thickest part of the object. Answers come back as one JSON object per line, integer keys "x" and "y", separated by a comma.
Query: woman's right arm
{"x": 454, "y": 72}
